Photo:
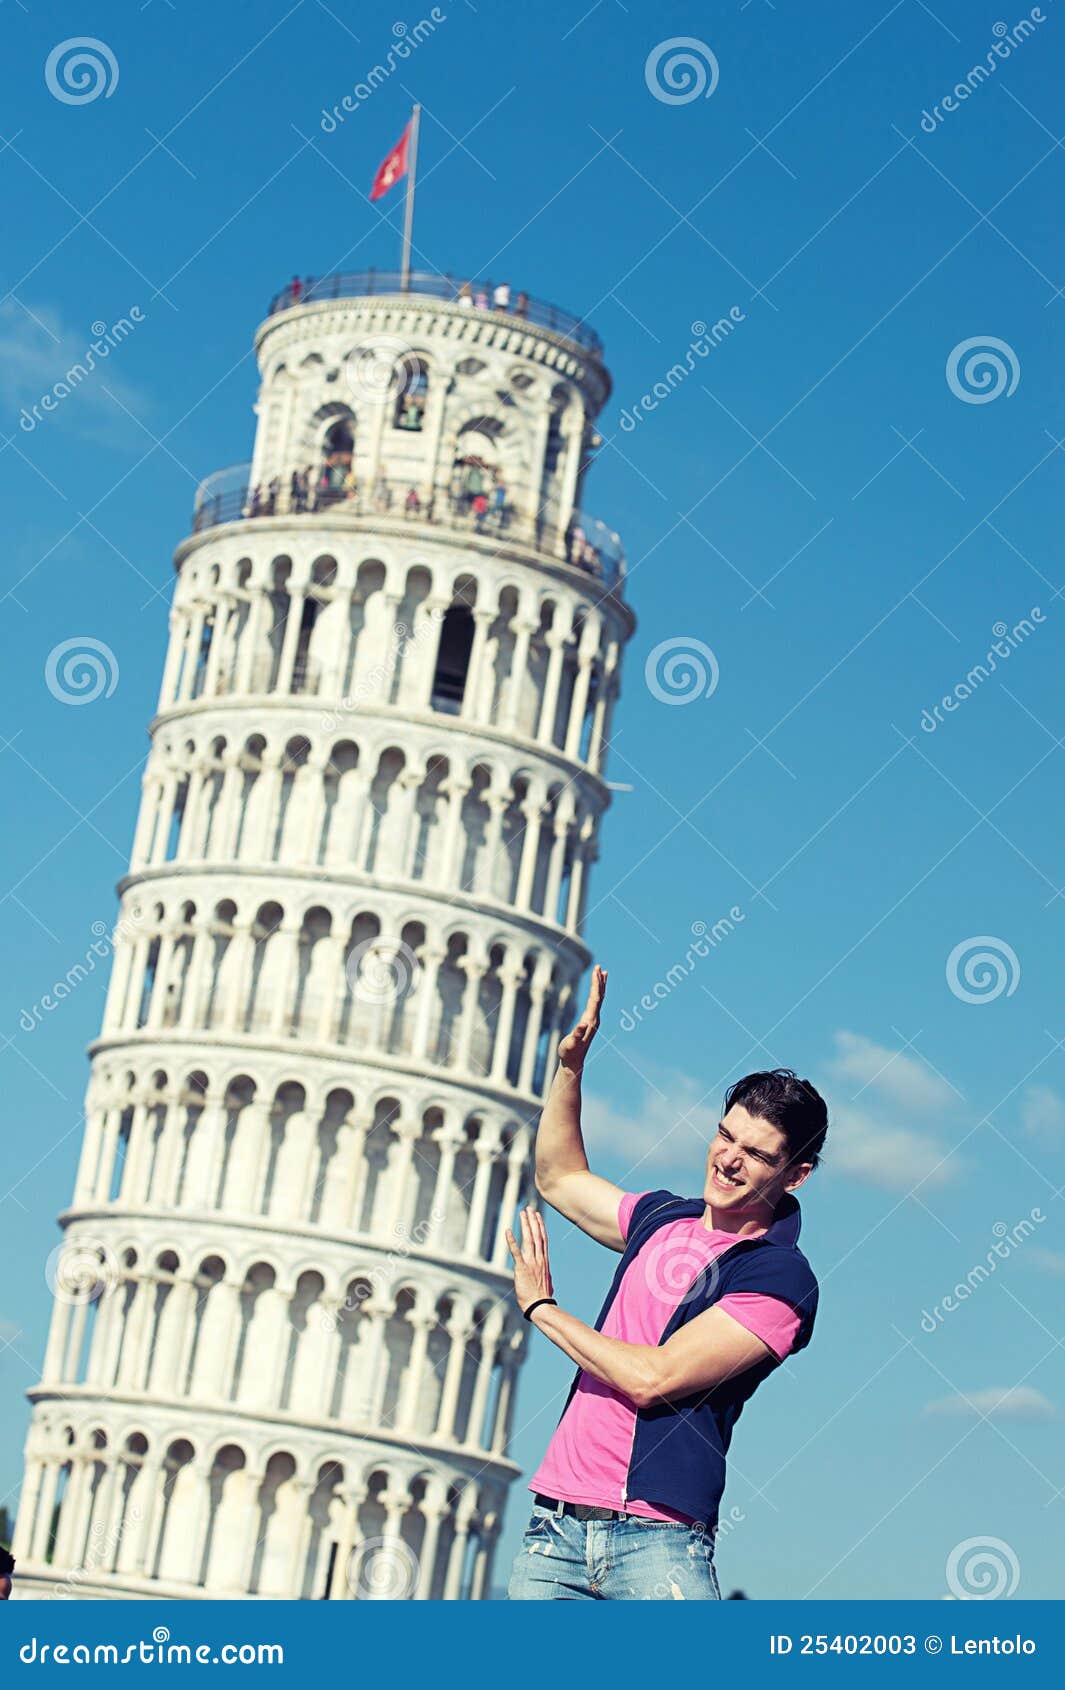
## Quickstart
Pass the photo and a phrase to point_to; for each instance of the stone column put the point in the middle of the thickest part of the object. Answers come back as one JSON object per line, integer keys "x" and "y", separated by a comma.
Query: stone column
{"x": 604, "y": 699}
{"x": 457, "y": 1554}
{"x": 531, "y": 809}
{"x": 515, "y": 1168}
{"x": 250, "y": 643}
{"x": 53, "y": 1466}
{"x": 556, "y": 644}
{"x": 475, "y": 967}
{"x": 557, "y": 864}
{"x": 407, "y": 1414}
{"x": 192, "y": 652}
{"x": 172, "y": 666}
{"x": 518, "y": 677}
{"x": 293, "y": 620}
{"x": 450, "y": 1143}
{"x": 22, "y": 1541}
{"x": 352, "y": 1499}
{"x": 456, "y": 788}
{"x": 434, "y": 1508}
{"x": 483, "y": 1384}
{"x": 512, "y": 974}
{"x": 332, "y": 977}
{"x": 471, "y": 710}
{"x": 458, "y": 1329}
{"x": 579, "y": 701}
{"x": 430, "y": 959}
{"x": 482, "y": 1185}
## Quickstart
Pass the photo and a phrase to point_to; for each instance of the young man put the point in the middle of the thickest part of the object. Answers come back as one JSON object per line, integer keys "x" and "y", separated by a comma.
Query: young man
{"x": 711, "y": 1294}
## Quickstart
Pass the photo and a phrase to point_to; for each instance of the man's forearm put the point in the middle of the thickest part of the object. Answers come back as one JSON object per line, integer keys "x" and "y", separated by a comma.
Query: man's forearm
{"x": 559, "y": 1144}
{"x": 630, "y": 1368}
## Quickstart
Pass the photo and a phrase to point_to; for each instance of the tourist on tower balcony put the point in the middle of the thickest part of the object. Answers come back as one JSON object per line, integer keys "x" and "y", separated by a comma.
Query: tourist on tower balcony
{"x": 479, "y": 508}
{"x": 295, "y": 291}
{"x": 465, "y": 295}
{"x": 296, "y": 496}
{"x": 709, "y": 1297}
{"x": 499, "y": 503}
{"x": 481, "y": 299}
{"x": 501, "y": 297}
{"x": 412, "y": 504}
{"x": 521, "y": 309}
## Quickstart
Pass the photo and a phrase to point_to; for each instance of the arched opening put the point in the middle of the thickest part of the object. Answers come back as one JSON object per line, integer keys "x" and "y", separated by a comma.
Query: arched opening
{"x": 452, "y": 660}
{"x": 412, "y": 393}
{"x": 335, "y": 474}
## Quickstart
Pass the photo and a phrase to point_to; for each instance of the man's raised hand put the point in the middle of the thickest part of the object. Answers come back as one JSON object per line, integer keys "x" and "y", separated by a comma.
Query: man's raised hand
{"x": 574, "y": 1047}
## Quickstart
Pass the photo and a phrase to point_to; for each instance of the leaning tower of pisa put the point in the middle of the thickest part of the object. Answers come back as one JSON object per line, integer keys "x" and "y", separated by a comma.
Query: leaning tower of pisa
{"x": 283, "y": 1355}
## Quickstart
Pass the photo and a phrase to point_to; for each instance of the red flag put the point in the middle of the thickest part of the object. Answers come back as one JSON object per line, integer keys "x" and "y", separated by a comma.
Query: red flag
{"x": 393, "y": 167}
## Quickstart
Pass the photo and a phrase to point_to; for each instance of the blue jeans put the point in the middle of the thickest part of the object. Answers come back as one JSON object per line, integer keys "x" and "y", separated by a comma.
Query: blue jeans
{"x": 562, "y": 1559}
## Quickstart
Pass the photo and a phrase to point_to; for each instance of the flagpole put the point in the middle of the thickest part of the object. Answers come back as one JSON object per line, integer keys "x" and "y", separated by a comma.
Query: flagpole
{"x": 408, "y": 219}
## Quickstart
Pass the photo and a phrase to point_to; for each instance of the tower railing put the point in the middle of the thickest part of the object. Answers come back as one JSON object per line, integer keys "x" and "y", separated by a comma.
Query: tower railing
{"x": 228, "y": 496}
{"x": 353, "y": 284}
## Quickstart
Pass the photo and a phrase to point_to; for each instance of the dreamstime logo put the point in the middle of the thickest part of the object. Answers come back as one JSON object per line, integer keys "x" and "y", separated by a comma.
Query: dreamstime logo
{"x": 100, "y": 347}
{"x": 704, "y": 340}
{"x": 1004, "y": 45}
{"x": 101, "y": 947}
{"x": 1006, "y": 642}
{"x": 980, "y": 969}
{"x": 983, "y": 368}
{"x": 1008, "y": 1239}
{"x": 78, "y": 71}
{"x": 380, "y": 971}
{"x": 81, "y": 670}
{"x": 81, "y": 1270}
{"x": 382, "y": 1568}
{"x": 680, "y": 670}
{"x": 681, "y": 70}
{"x": 377, "y": 368}
{"x": 406, "y": 38}
{"x": 704, "y": 940}
{"x": 675, "y": 1271}
{"x": 982, "y": 1569}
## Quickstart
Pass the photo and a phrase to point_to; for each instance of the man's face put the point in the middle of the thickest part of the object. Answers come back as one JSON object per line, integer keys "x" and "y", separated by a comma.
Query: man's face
{"x": 747, "y": 1167}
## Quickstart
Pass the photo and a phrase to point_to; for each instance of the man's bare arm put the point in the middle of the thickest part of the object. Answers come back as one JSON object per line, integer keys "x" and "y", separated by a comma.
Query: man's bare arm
{"x": 701, "y": 1354}
{"x": 563, "y": 1177}
{"x": 708, "y": 1350}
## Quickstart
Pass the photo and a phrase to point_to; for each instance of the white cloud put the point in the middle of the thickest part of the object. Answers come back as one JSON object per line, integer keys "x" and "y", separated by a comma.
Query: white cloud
{"x": 1051, "y": 1261}
{"x": 668, "y": 1127}
{"x": 1043, "y": 1117}
{"x": 875, "y": 1150}
{"x": 873, "y": 1137}
{"x": 38, "y": 350}
{"x": 666, "y": 1123}
{"x": 895, "y": 1074}
{"x": 1000, "y": 1402}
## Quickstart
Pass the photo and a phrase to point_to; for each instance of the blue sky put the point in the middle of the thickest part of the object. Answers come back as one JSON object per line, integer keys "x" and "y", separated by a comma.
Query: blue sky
{"x": 820, "y": 503}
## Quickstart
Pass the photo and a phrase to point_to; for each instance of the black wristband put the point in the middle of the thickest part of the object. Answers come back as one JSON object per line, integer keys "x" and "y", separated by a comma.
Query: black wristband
{"x": 540, "y": 1301}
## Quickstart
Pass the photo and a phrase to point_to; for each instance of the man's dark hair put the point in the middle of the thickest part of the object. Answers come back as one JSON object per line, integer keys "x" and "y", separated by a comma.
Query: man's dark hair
{"x": 7, "y": 1563}
{"x": 793, "y": 1106}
